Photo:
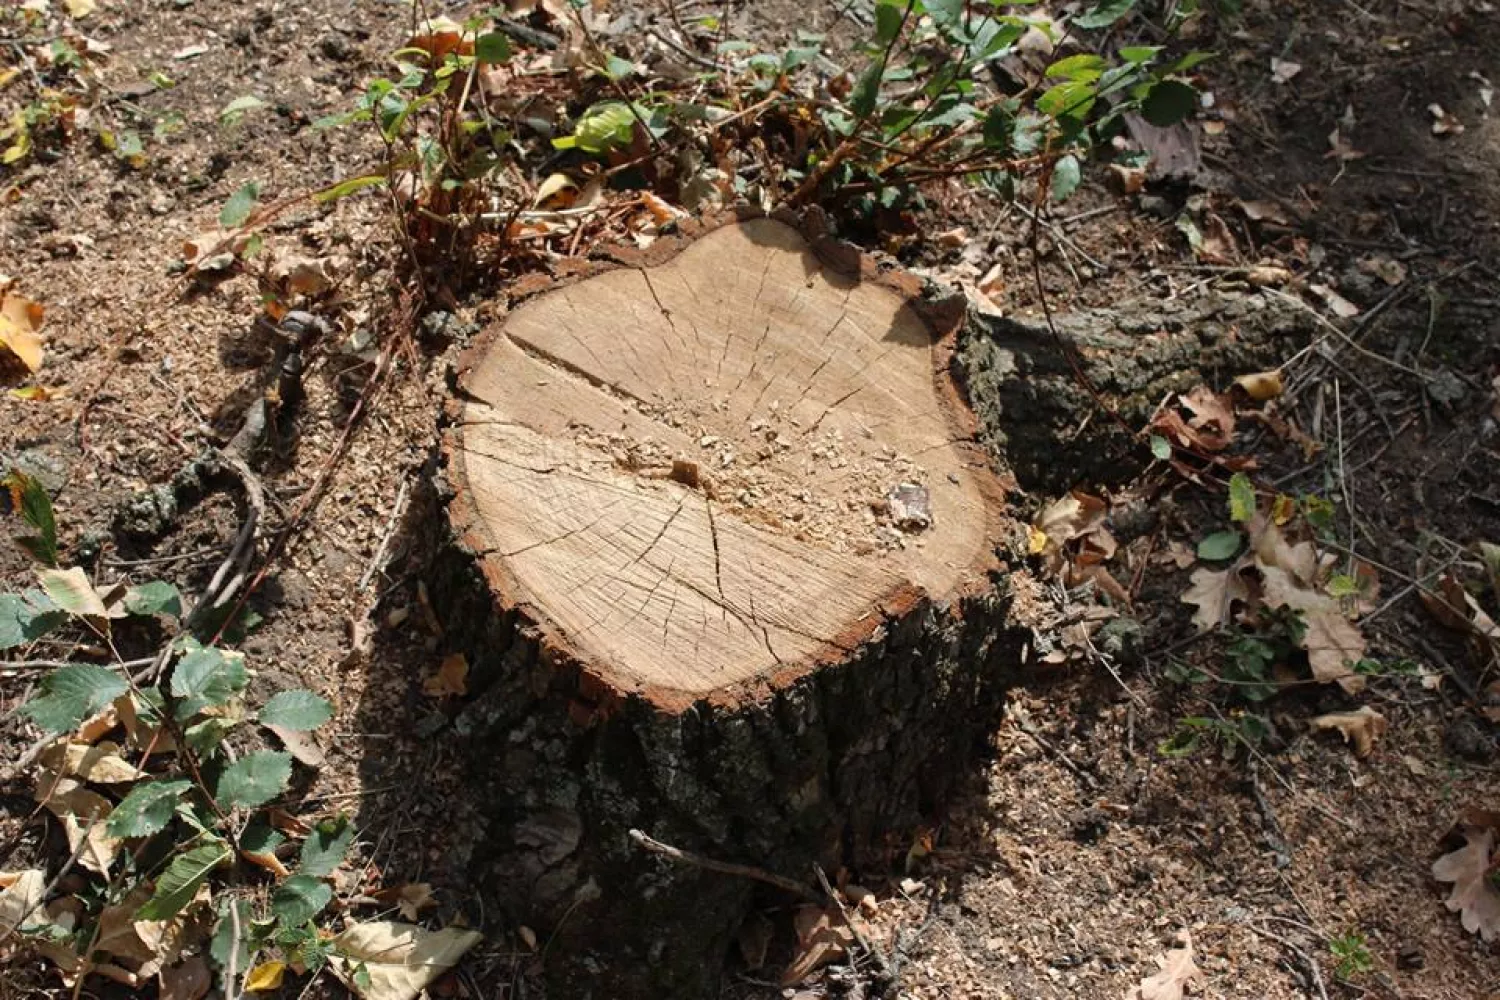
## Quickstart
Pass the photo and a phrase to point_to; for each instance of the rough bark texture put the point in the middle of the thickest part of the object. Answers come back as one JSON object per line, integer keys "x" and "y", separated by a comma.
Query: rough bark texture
{"x": 1048, "y": 427}
{"x": 832, "y": 760}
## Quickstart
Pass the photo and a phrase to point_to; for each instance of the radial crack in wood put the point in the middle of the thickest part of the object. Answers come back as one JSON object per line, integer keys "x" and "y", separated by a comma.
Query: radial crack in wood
{"x": 686, "y": 469}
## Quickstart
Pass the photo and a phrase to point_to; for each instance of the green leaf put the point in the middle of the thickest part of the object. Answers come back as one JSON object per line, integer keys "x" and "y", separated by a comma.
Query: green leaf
{"x": 1161, "y": 447}
{"x": 325, "y": 847}
{"x": 254, "y": 779}
{"x": 72, "y": 694}
{"x": 1065, "y": 177}
{"x": 207, "y": 677}
{"x": 261, "y": 838}
{"x": 23, "y": 621}
{"x": 147, "y": 809}
{"x": 237, "y": 209}
{"x": 299, "y": 899}
{"x": 1190, "y": 60}
{"x": 1241, "y": 498}
{"x": 30, "y": 498}
{"x": 203, "y": 738}
{"x": 1139, "y": 55}
{"x": 492, "y": 47}
{"x": 239, "y": 107}
{"x": 947, "y": 14}
{"x": 1169, "y": 102}
{"x": 866, "y": 90}
{"x": 298, "y": 710}
{"x": 616, "y": 68}
{"x": 179, "y": 883}
{"x": 603, "y": 127}
{"x": 1105, "y": 14}
{"x": 888, "y": 17}
{"x": 155, "y": 598}
{"x": 1084, "y": 66}
{"x": 228, "y": 936}
{"x": 1220, "y": 545}
{"x": 1070, "y": 99}
{"x": 71, "y": 590}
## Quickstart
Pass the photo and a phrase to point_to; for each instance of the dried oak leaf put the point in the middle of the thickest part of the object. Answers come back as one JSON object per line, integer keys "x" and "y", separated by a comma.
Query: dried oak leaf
{"x": 1474, "y": 897}
{"x": 1332, "y": 642}
{"x": 1178, "y": 971}
{"x": 1212, "y": 417}
{"x": 1214, "y": 591}
{"x": 451, "y": 677}
{"x": 1362, "y": 728}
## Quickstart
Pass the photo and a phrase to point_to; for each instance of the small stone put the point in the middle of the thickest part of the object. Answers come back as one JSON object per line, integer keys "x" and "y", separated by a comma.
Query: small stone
{"x": 336, "y": 47}
{"x": 910, "y": 507}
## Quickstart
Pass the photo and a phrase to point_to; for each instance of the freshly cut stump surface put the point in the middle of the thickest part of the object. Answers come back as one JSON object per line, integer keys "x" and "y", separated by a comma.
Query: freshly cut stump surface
{"x": 722, "y": 559}
{"x": 711, "y": 470}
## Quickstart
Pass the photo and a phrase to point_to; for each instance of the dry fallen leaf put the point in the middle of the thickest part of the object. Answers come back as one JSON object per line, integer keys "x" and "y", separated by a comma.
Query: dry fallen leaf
{"x": 1337, "y": 304}
{"x": 22, "y": 894}
{"x": 399, "y": 960}
{"x": 83, "y": 812}
{"x": 1362, "y": 728}
{"x": 1214, "y": 591}
{"x": 101, "y": 763}
{"x": 411, "y": 899}
{"x": 823, "y": 936}
{"x": 451, "y": 677}
{"x": 1282, "y": 70}
{"x": 189, "y": 980}
{"x": 439, "y": 36}
{"x": 1388, "y": 270}
{"x": 1178, "y": 971}
{"x": 1474, "y": 897}
{"x": 265, "y": 977}
{"x": 20, "y": 319}
{"x": 1332, "y": 642}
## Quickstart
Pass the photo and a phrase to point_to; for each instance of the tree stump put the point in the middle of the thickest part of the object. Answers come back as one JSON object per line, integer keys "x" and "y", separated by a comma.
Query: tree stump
{"x": 722, "y": 557}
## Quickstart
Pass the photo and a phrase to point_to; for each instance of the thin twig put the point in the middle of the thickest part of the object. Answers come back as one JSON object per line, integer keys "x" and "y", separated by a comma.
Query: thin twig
{"x": 1307, "y": 959}
{"x": 725, "y": 867}
{"x": 50, "y": 887}
{"x": 390, "y": 529}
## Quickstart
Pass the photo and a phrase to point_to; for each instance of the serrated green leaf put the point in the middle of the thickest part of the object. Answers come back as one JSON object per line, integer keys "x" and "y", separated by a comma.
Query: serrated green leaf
{"x": 237, "y": 209}
{"x": 155, "y": 598}
{"x": 1104, "y": 14}
{"x": 23, "y": 621}
{"x": 296, "y": 709}
{"x": 1241, "y": 498}
{"x": 603, "y": 127}
{"x": 325, "y": 847}
{"x": 1168, "y": 102}
{"x": 492, "y": 47}
{"x": 1220, "y": 545}
{"x": 1066, "y": 176}
{"x": 179, "y": 883}
{"x": 299, "y": 899}
{"x": 1161, "y": 447}
{"x": 254, "y": 779}
{"x": 207, "y": 677}
{"x": 147, "y": 809}
{"x": 71, "y": 590}
{"x": 946, "y": 13}
{"x": 204, "y": 737}
{"x": 72, "y": 694}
